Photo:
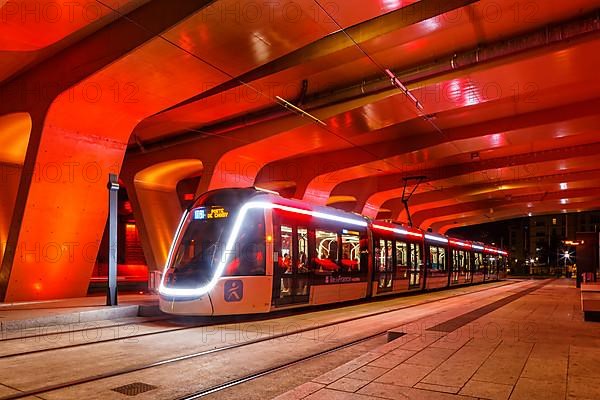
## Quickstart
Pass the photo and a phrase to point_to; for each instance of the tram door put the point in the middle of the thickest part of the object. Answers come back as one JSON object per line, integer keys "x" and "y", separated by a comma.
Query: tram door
{"x": 415, "y": 265}
{"x": 291, "y": 281}
{"x": 384, "y": 265}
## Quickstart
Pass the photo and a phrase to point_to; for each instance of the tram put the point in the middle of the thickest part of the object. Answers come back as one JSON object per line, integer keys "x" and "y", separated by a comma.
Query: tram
{"x": 247, "y": 250}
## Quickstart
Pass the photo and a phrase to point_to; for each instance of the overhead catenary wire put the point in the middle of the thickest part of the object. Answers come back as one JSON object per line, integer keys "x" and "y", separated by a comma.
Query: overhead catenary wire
{"x": 390, "y": 74}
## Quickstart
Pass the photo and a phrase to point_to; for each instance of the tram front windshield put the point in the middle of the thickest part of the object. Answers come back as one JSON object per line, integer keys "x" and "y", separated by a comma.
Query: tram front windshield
{"x": 202, "y": 247}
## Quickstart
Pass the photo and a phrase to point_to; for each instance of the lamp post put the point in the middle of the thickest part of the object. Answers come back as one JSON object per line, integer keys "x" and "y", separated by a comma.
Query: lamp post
{"x": 113, "y": 193}
{"x": 531, "y": 266}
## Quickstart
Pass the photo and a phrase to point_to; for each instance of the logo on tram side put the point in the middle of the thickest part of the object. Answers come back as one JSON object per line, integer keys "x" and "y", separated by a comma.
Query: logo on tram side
{"x": 234, "y": 290}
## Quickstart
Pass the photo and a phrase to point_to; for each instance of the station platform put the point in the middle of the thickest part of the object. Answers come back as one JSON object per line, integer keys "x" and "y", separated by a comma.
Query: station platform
{"x": 34, "y": 314}
{"x": 534, "y": 344}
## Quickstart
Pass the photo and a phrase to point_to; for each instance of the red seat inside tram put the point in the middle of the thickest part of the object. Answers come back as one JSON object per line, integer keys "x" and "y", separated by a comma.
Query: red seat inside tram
{"x": 351, "y": 265}
{"x": 326, "y": 264}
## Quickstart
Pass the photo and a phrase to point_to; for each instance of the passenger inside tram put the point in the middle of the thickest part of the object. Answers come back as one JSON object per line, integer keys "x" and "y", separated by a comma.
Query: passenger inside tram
{"x": 302, "y": 267}
{"x": 287, "y": 264}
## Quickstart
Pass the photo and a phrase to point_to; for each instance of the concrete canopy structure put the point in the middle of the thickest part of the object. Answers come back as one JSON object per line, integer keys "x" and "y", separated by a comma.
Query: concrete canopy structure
{"x": 506, "y": 121}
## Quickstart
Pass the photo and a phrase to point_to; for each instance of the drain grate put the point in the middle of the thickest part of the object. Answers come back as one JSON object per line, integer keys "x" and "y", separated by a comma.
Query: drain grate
{"x": 133, "y": 389}
{"x": 462, "y": 320}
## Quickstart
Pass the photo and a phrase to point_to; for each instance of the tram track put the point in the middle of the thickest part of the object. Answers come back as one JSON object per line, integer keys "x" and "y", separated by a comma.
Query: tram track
{"x": 25, "y": 336}
{"x": 267, "y": 371}
{"x": 237, "y": 381}
{"x": 222, "y": 321}
{"x": 250, "y": 377}
{"x": 129, "y": 370}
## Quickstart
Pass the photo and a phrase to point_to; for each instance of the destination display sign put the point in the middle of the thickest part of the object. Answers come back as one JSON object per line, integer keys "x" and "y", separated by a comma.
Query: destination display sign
{"x": 210, "y": 213}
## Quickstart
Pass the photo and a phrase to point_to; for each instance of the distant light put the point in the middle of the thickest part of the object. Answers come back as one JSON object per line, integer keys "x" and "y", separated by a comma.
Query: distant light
{"x": 564, "y": 201}
{"x": 564, "y": 186}
{"x": 530, "y": 214}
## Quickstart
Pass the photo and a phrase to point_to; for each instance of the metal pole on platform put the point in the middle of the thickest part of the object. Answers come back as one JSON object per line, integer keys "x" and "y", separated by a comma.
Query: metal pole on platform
{"x": 113, "y": 193}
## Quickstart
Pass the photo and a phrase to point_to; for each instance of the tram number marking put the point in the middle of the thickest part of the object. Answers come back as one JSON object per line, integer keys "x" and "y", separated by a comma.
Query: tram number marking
{"x": 234, "y": 290}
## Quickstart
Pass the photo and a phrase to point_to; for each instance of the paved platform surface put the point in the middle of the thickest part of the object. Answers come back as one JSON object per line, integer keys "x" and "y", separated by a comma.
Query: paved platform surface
{"x": 69, "y": 311}
{"x": 533, "y": 346}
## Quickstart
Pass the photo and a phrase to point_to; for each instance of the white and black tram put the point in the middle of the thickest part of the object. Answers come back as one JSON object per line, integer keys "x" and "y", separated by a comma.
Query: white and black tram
{"x": 241, "y": 251}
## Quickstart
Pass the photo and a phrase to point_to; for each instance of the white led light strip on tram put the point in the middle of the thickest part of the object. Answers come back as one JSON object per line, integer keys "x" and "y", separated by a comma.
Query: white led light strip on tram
{"x": 397, "y": 230}
{"x": 231, "y": 243}
{"x": 436, "y": 238}
{"x": 462, "y": 244}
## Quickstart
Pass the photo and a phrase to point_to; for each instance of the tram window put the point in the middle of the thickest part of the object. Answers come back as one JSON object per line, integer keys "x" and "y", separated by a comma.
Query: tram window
{"x": 250, "y": 247}
{"x": 415, "y": 255}
{"x": 285, "y": 255}
{"x": 350, "y": 253}
{"x": 459, "y": 260}
{"x": 402, "y": 259}
{"x": 478, "y": 261}
{"x": 327, "y": 249}
{"x": 285, "y": 260}
{"x": 491, "y": 262}
{"x": 401, "y": 254}
{"x": 389, "y": 256}
{"x": 380, "y": 255}
{"x": 433, "y": 257}
{"x": 384, "y": 260}
{"x": 437, "y": 258}
{"x": 302, "y": 250}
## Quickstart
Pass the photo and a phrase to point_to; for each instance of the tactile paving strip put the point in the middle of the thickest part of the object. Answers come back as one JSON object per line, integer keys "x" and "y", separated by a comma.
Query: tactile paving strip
{"x": 460, "y": 321}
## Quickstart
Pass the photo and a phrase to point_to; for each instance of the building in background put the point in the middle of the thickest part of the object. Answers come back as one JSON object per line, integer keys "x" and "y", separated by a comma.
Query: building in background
{"x": 537, "y": 244}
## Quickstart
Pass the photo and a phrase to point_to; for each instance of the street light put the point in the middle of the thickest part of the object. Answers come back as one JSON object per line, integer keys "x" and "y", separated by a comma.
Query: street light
{"x": 566, "y": 256}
